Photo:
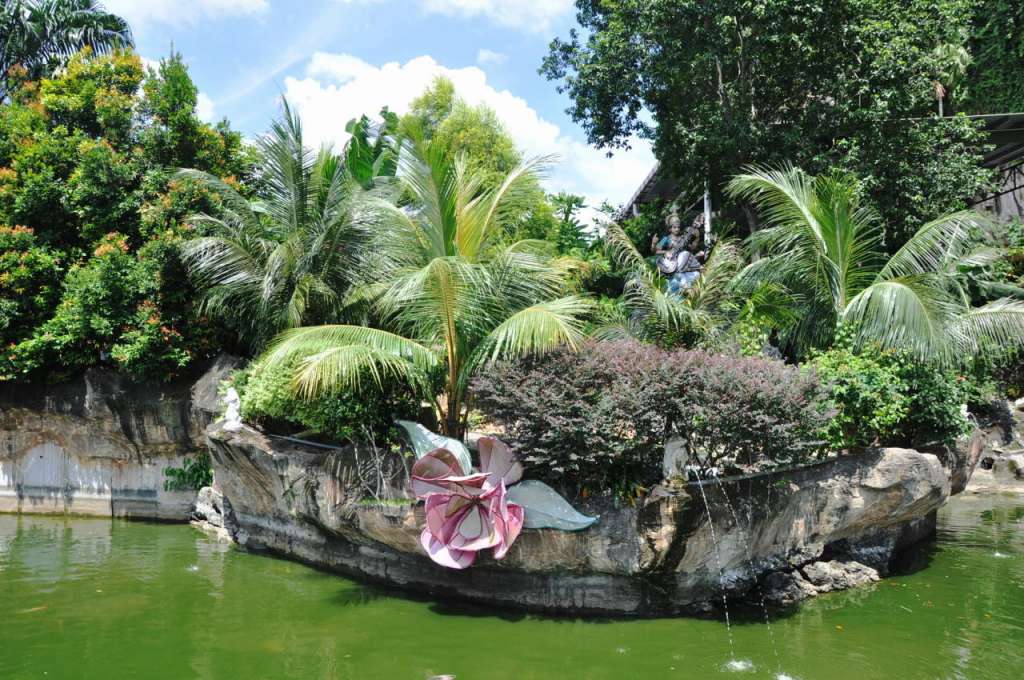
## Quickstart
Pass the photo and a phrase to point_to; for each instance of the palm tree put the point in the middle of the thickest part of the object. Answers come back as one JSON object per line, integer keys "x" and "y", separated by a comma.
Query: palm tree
{"x": 287, "y": 258}
{"x": 449, "y": 296}
{"x": 371, "y": 152}
{"x": 652, "y": 314}
{"x": 824, "y": 244}
{"x": 40, "y": 35}
{"x": 951, "y": 64}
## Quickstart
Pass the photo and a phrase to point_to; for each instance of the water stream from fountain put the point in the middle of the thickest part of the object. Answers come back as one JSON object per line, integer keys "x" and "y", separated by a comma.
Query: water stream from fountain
{"x": 721, "y": 573}
{"x": 750, "y": 564}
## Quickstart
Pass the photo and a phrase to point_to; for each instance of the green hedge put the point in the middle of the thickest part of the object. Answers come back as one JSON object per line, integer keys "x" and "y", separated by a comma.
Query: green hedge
{"x": 269, "y": 400}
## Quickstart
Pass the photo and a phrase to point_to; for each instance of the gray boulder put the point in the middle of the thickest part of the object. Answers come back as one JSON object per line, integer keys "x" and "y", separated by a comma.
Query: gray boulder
{"x": 838, "y": 575}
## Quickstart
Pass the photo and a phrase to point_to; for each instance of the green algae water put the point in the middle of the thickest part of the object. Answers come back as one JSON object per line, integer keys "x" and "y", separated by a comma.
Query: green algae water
{"x": 85, "y": 599}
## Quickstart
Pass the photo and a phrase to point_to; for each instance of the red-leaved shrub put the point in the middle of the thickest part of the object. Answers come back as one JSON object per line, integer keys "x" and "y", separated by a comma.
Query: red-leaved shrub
{"x": 599, "y": 419}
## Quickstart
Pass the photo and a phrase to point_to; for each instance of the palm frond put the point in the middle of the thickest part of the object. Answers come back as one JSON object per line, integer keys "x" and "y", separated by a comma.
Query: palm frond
{"x": 538, "y": 328}
{"x": 784, "y": 195}
{"x": 935, "y": 244}
{"x": 349, "y": 366}
{"x": 311, "y": 340}
{"x": 911, "y": 313}
{"x": 998, "y": 324}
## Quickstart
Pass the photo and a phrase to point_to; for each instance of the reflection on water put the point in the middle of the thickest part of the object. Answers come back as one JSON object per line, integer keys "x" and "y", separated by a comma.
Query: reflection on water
{"x": 101, "y": 599}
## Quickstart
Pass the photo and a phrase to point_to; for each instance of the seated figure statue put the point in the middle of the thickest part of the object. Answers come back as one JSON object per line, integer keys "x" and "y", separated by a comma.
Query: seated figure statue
{"x": 676, "y": 258}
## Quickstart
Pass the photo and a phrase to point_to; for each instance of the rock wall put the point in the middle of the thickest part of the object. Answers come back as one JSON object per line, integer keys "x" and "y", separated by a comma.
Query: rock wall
{"x": 99, "y": 445}
{"x": 1000, "y": 452}
{"x": 820, "y": 527}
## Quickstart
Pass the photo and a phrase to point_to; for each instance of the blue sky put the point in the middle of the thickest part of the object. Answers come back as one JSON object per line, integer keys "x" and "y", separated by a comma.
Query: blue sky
{"x": 335, "y": 59}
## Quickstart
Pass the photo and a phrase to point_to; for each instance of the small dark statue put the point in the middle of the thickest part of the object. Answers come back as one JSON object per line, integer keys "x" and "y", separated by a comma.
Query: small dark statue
{"x": 678, "y": 255}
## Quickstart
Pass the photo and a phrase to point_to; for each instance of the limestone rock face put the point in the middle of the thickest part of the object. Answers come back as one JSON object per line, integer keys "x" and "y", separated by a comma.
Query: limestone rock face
{"x": 998, "y": 452}
{"x": 655, "y": 558}
{"x": 98, "y": 446}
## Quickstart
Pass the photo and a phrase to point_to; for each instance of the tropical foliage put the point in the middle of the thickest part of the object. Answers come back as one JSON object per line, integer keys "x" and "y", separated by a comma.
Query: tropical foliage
{"x": 996, "y": 46}
{"x": 423, "y": 268}
{"x": 286, "y": 258}
{"x": 651, "y": 313}
{"x": 268, "y": 400}
{"x": 600, "y": 419}
{"x": 883, "y": 397}
{"x": 448, "y": 293}
{"x": 823, "y": 243}
{"x": 37, "y": 36}
{"x": 91, "y": 216}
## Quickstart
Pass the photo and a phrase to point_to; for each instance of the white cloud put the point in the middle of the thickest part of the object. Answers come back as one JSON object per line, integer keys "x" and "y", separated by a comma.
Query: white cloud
{"x": 181, "y": 12}
{"x": 533, "y": 15}
{"x": 150, "y": 64}
{"x": 339, "y": 87}
{"x": 205, "y": 108}
{"x": 486, "y": 56}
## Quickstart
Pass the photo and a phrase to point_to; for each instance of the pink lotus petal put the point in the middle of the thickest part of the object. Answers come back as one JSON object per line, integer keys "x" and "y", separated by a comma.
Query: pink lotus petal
{"x": 474, "y": 530}
{"x": 497, "y": 500}
{"x": 512, "y": 525}
{"x": 498, "y": 461}
{"x": 438, "y": 463}
{"x": 445, "y": 556}
{"x": 440, "y": 472}
{"x": 439, "y": 509}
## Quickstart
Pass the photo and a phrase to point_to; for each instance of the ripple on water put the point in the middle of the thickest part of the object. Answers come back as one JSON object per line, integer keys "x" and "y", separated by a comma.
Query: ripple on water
{"x": 739, "y": 666}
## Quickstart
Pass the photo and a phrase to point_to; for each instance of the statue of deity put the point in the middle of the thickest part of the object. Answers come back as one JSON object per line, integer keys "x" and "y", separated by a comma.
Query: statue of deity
{"x": 676, "y": 258}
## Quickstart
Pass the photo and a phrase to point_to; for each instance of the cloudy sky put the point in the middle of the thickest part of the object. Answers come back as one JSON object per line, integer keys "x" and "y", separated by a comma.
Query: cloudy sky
{"x": 337, "y": 59}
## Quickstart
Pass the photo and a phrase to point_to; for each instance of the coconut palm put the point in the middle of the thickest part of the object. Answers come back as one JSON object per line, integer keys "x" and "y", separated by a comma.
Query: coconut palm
{"x": 951, "y": 64}
{"x": 448, "y": 295}
{"x": 287, "y": 258}
{"x": 40, "y": 35}
{"x": 652, "y": 314}
{"x": 823, "y": 243}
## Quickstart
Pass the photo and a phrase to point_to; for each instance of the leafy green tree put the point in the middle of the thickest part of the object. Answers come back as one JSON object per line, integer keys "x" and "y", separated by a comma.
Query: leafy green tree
{"x": 450, "y": 296}
{"x": 36, "y": 36}
{"x": 29, "y": 283}
{"x": 996, "y": 46}
{"x": 100, "y": 299}
{"x": 822, "y": 243}
{"x": 173, "y": 136}
{"x": 83, "y": 167}
{"x": 736, "y": 82}
{"x": 286, "y": 258}
{"x": 476, "y": 133}
{"x": 570, "y": 231}
{"x": 462, "y": 129}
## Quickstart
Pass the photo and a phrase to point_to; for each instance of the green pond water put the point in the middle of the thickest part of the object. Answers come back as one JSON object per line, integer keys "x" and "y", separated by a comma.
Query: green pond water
{"x": 86, "y": 599}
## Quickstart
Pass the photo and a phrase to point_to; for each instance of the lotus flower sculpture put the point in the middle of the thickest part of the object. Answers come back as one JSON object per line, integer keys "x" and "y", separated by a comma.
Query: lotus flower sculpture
{"x": 468, "y": 511}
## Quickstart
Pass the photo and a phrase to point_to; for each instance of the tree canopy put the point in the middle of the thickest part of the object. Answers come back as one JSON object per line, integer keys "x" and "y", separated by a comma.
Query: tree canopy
{"x": 36, "y": 36}
{"x": 91, "y": 215}
{"x": 817, "y": 84}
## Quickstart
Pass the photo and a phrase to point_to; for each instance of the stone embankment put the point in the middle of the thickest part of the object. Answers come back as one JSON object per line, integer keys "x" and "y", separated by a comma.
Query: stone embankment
{"x": 799, "y": 532}
{"x": 99, "y": 445}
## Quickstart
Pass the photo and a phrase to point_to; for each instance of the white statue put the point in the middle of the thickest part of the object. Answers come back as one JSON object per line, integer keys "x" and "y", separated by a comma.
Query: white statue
{"x": 232, "y": 416}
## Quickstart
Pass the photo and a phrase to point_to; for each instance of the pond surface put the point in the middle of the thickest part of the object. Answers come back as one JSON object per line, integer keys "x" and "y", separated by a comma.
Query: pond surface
{"x": 99, "y": 599}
